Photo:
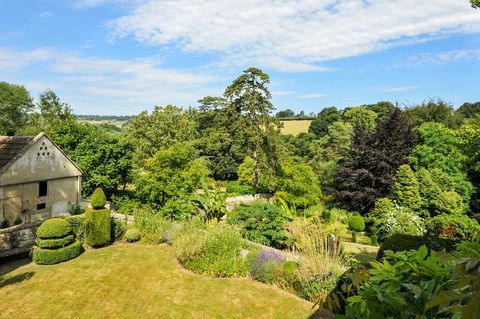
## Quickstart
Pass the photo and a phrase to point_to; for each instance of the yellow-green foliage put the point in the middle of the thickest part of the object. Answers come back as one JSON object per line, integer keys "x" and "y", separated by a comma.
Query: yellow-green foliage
{"x": 54, "y": 242}
{"x": 406, "y": 190}
{"x": 54, "y": 228}
{"x": 132, "y": 235}
{"x": 97, "y": 227}
{"x": 98, "y": 199}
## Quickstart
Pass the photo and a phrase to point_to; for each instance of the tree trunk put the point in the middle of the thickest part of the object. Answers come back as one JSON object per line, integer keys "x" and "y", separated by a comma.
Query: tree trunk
{"x": 255, "y": 167}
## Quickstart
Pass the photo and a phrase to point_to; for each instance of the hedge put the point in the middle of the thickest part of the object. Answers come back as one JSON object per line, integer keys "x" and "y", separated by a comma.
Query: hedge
{"x": 54, "y": 228}
{"x": 77, "y": 225}
{"x": 54, "y": 243}
{"x": 97, "y": 227}
{"x": 50, "y": 257}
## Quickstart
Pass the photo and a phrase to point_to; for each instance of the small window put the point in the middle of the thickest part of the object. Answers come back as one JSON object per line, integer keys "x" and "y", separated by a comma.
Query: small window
{"x": 41, "y": 206}
{"x": 42, "y": 189}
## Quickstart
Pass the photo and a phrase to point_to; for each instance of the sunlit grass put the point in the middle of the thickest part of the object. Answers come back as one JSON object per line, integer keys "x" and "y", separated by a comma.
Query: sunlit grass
{"x": 137, "y": 281}
{"x": 295, "y": 127}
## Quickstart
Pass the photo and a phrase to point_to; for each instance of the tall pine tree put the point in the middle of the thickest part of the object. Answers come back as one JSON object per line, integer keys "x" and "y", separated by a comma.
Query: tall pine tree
{"x": 367, "y": 173}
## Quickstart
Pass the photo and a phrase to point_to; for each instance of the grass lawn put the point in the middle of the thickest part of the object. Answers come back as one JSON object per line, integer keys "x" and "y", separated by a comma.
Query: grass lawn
{"x": 363, "y": 253}
{"x": 137, "y": 281}
{"x": 295, "y": 127}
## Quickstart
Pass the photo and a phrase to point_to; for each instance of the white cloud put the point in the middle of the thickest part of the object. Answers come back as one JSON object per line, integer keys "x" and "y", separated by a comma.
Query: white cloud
{"x": 45, "y": 15}
{"x": 443, "y": 57}
{"x": 114, "y": 85}
{"x": 293, "y": 35}
{"x": 399, "y": 89}
{"x": 312, "y": 95}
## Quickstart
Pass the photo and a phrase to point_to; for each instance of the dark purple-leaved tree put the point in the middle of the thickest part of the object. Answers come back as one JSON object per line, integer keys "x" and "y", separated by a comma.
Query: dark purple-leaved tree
{"x": 366, "y": 174}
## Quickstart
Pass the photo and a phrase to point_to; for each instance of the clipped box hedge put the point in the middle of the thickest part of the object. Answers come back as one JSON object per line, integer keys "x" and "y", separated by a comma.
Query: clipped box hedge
{"x": 55, "y": 256}
{"x": 55, "y": 242}
{"x": 97, "y": 227}
{"x": 54, "y": 228}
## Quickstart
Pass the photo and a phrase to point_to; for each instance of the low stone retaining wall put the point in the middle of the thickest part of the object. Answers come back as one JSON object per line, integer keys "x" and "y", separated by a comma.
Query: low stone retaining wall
{"x": 17, "y": 239}
{"x": 232, "y": 202}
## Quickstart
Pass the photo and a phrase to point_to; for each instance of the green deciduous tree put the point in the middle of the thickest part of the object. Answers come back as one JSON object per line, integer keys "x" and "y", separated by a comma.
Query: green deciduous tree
{"x": 405, "y": 190}
{"x": 469, "y": 110}
{"x": 434, "y": 111}
{"x": 15, "y": 107}
{"x": 360, "y": 116}
{"x": 172, "y": 173}
{"x": 475, "y": 3}
{"x": 288, "y": 113}
{"x": 105, "y": 159}
{"x": 327, "y": 116}
{"x": 162, "y": 128}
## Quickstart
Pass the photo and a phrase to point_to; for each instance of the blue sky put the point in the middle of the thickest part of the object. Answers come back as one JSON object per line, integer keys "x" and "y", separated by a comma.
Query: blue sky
{"x": 125, "y": 56}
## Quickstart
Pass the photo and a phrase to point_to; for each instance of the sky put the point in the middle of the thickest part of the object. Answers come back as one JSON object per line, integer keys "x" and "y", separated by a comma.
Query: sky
{"x": 120, "y": 57}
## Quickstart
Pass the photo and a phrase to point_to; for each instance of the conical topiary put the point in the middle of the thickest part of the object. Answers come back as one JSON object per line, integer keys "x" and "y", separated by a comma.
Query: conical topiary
{"x": 97, "y": 221}
{"x": 98, "y": 199}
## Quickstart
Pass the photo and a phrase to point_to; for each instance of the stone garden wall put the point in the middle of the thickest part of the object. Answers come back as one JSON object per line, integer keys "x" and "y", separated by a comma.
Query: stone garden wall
{"x": 17, "y": 239}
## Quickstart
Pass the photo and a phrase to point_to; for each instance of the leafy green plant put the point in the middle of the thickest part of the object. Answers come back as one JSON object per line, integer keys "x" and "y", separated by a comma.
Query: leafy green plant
{"x": 261, "y": 222}
{"x": 400, "y": 242}
{"x": 74, "y": 209}
{"x": 210, "y": 203}
{"x": 18, "y": 221}
{"x": 117, "y": 228}
{"x": 4, "y": 224}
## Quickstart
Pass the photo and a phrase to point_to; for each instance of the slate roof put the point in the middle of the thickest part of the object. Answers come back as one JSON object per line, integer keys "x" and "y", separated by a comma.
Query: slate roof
{"x": 12, "y": 147}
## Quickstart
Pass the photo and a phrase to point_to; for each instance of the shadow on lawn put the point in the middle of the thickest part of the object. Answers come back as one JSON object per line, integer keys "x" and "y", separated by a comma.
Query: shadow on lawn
{"x": 5, "y": 281}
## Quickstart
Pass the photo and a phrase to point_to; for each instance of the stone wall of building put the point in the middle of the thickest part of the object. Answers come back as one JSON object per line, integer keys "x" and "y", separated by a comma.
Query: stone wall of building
{"x": 17, "y": 239}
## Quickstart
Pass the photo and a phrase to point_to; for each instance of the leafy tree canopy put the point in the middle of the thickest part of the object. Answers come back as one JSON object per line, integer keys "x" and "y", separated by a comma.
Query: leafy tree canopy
{"x": 327, "y": 116}
{"x": 15, "y": 106}
{"x": 434, "y": 111}
{"x": 360, "y": 116}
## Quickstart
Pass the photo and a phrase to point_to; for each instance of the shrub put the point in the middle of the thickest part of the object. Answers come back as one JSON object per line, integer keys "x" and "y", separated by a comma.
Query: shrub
{"x": 117, "y": 228}
{"x": 356, "y": 223}
{"x": 403, "y": 286}
{"x": 98, "y": 199}
{"x": 400, "y": 242}
{"x": 152, "y": 225}
{"x": 261, "y": 222}
{"x": 454, "y": 226}
{"x": 54, "y": 243}
{"x": 213, "y": 251}
{"x": 54, "y": 228}
{"x": 400, "y": 221}
{"x": 77, "y": 225}
{"x": 267, "y": 265}
{"x": 234, "y": 188}
{"x": 74, "y": 209}
{"x": 55, "y": 256}
{"x": 97, "y": 227}
{"x": 132, "y": 235}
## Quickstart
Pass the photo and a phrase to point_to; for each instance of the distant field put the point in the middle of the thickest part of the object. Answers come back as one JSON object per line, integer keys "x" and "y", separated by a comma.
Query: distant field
{"x": 295, "y": 127}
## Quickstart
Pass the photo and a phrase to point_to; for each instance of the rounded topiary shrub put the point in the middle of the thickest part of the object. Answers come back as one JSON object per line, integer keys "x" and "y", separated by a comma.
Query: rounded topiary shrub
{"x": 55, "y": 243}
{"x": 132, "y": 235}
{"x": 54, "y": 228}
{"x": 356, "y": 223}
{"x": 54, "y": 256}
{"x": 98, "y": 199}
{"x": 97, "y": 227}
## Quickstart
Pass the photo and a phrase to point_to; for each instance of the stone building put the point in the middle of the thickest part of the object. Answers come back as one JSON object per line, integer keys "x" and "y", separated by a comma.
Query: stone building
{"x": 37, "y": 180}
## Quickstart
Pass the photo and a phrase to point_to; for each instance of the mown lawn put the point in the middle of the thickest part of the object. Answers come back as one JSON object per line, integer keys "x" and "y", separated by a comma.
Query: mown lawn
{"x": 295, "y": 127}
{"x": 137, "y": 281}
